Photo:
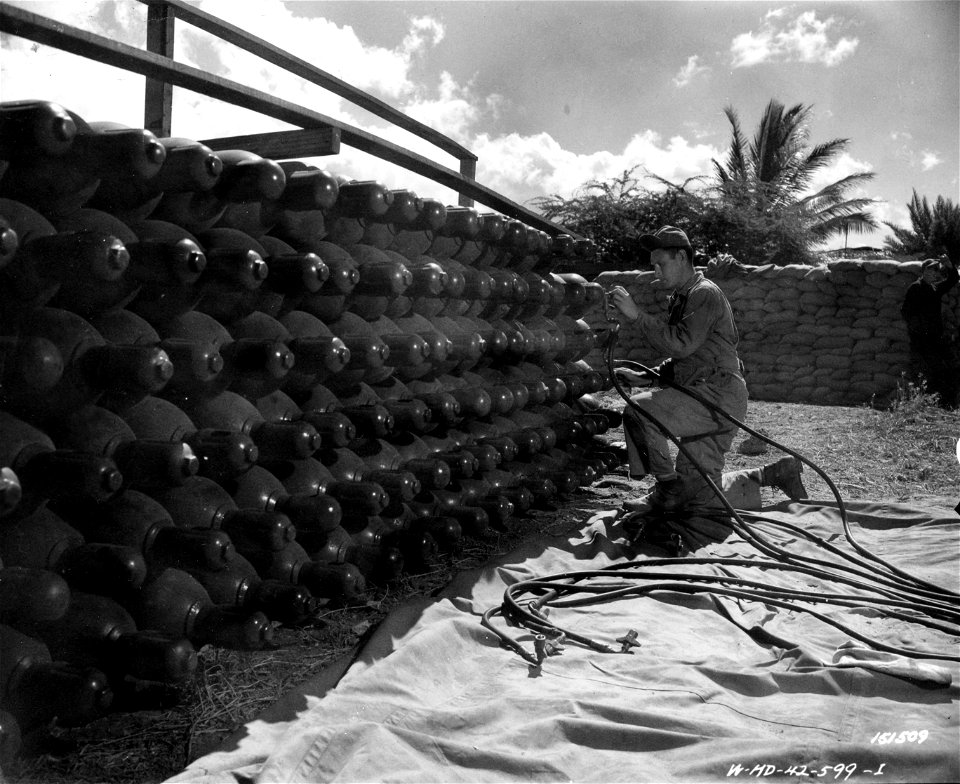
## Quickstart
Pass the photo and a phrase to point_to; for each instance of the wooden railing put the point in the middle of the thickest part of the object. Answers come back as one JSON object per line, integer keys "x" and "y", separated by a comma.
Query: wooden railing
{"x": 318, "y": 134}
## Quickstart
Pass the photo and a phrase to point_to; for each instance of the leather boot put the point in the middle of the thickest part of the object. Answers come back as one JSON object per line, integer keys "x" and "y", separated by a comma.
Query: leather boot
{"x": 666, "y": 496}
{"x": 653, "y": 530}
{"x": 785, "y": 476}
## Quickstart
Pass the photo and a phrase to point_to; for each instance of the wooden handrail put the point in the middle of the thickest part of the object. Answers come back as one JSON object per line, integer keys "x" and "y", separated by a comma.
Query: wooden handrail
{"x": 25, "y": 24}
{"x": 158, "y": 104}
{"x": 274, "y": 54}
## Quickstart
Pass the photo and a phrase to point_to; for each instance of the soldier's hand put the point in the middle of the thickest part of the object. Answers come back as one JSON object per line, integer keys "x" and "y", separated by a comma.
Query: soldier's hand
{"x": 620, "y": 298}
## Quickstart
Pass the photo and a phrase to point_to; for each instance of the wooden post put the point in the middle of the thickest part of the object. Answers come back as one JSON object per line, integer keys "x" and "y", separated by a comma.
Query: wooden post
{"x": 468, "y": 168}
{"x": 158, "y": 95}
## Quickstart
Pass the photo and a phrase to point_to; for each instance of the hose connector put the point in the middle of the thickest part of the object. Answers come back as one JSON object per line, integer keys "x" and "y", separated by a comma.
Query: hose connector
{"x": 628, "y": 641}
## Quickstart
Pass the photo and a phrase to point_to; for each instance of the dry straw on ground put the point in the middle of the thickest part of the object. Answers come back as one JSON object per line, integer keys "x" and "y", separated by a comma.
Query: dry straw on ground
{"x": 907, "y": 454}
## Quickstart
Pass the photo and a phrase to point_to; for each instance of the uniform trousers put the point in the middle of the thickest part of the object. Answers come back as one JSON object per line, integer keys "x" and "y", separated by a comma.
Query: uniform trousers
{"x": 706, "y": 434}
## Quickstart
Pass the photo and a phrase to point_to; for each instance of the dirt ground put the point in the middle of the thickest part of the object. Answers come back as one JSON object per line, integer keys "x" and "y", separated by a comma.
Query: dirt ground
{"x": 906, "y": 455}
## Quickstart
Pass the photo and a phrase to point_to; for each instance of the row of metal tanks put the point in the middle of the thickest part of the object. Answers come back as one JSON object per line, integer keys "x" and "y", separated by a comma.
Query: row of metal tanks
{"x": 237, "y": 390}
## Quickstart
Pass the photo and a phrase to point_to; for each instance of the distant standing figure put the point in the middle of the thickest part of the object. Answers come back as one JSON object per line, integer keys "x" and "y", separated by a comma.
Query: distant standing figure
{"x": 931, "y": 354}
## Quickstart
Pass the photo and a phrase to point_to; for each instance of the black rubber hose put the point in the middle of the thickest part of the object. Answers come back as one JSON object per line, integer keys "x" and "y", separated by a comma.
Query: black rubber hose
{"x": 888, "y": 579}
{"x": 933, "y": 612}
{"x": 934, "y": 608}
{"x": 686, "y": 587}
{"x": 761, "y": 592}
{"x": 551, "y": 591}
{"x": 512, "y": 608}
{"x": 611, "y": 343}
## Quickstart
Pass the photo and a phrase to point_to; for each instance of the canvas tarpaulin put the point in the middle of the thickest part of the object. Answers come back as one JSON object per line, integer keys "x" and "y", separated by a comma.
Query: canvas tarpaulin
{"x": 719, "y": 688}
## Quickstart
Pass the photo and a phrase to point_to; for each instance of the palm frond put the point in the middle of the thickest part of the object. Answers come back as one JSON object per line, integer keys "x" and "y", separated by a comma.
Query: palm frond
{"x": 823, "y": 154}
{"x": 736, "y": 160}
{"x": 848, "y": 220}
{"x": 721, "y": 173}
{"x": 806, "y": 165}
{"x": 921, "y": 216}
{"x": 836, "y": 191}
{"x": 847, "y": 207}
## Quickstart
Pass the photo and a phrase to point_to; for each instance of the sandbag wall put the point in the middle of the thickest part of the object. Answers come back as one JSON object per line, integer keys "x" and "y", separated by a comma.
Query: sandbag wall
{"x": 824, "y": 335}
{"x": 235, "y": 390}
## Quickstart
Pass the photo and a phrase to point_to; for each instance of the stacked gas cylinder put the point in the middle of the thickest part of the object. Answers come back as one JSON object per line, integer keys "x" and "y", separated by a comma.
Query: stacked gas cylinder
{"x": 235, "y": 390}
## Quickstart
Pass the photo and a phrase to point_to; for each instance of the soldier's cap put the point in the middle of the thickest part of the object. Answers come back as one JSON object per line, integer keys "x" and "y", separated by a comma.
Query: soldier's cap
{"x": 929, "y": 263}
{"x": 666, "y": 237}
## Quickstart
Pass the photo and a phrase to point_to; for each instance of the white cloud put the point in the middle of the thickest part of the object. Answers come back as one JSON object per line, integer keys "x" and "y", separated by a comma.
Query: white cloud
{"x": 528, "y": 166}
{"x": 751, "y": 49}
{"x": 424, "y": 32}
{"x": 124, "y": 22}
{"x": 676, "y": 161}
{"x": 929, "y": 159}
{"x": 455, "y": 110}
{"x": 520, "y": 167}
{"x": 338, "y": 50}
{"x": 805, "y": 40}
{"x": 842, "y": 166}
{"x": 904, "y": 149}
{"x": 690, "y": 71}
{"x": 897, "y": 214}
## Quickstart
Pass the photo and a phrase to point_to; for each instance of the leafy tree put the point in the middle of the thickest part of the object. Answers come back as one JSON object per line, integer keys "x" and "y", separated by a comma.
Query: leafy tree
{"x": 600, "y": 210}
{"x": 934, "y": 230}
{"x": 614, "y": 214}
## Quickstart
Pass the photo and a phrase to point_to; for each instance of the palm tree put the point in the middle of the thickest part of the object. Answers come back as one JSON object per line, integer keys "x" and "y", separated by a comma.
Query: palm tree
{"x": 770, "y": 178}
{"x": 934, "y": 230}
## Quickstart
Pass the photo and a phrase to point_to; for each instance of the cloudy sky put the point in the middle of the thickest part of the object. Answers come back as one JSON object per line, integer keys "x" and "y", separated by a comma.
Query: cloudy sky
{"x": 551, "y": 94}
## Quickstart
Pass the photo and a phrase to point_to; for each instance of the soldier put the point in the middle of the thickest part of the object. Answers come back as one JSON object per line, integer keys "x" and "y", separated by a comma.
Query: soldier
{"x": 931, "y": 355}
{"x": 700, "y": 338}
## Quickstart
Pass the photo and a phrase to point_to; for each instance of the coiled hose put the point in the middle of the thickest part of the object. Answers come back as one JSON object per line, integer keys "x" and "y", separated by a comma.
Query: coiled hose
{"x": 902, "y": 595}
